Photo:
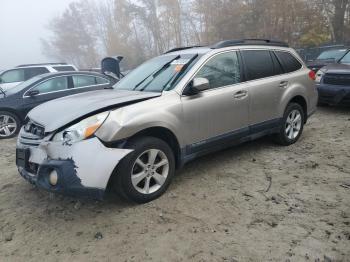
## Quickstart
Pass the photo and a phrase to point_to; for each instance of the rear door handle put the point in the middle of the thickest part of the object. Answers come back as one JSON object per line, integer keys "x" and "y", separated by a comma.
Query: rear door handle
{"x": 284, "y": 84}
{"x": 240, "y": 94}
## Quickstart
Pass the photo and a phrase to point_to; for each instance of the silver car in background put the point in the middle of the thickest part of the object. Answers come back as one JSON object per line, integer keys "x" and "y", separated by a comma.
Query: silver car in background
{"x": 13, "y": 77}
{"x": 168, "y": 111}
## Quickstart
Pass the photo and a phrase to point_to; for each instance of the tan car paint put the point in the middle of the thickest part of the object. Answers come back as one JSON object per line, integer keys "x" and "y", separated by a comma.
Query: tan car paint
{"x": 213, "y": 112}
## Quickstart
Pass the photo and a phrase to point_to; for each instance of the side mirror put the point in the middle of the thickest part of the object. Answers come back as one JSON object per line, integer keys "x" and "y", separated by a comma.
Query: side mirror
{"x": 32, "y": 93}
{"x": 198, "y": 85}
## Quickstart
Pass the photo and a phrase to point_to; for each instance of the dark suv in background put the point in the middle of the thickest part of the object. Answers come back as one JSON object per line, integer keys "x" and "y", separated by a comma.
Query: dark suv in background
{"x": 333, "y": 82}
{"x": 327, "y": 57}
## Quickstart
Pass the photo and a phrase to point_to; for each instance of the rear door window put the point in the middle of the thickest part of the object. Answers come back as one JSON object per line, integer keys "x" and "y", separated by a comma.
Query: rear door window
{"x": 52, "y": 85}
{"x": 276, "y": 64}
{"x": 101, "y": 81}
{"x": 258, "y": 64}
{"x": 222, "y": 70}
{"x": 12, "y": 76}
{"x": 83, "y": 80}
{"x": 288, "y": 61}
{"x": 34, "y": 71}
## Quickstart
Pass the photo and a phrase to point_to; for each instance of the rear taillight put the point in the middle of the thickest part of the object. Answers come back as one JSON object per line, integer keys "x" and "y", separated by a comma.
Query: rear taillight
{"x": 312, "y": 75}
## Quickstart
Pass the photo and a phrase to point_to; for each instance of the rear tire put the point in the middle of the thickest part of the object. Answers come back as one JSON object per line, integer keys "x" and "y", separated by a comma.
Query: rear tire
{"x": 292, "y": 125}
{"x": 9, "y": 125}
{"x": 146, "y": 173}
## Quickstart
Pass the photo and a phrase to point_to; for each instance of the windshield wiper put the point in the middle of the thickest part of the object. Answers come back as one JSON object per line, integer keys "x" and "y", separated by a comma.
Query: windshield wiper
{"x": 177, "y": 75}
{"x": 155, "y": 73}
{"x": 2, "y": 91}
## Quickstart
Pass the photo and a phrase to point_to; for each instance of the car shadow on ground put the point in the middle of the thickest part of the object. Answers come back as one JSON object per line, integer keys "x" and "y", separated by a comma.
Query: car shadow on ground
{"x": 334, "y": 109}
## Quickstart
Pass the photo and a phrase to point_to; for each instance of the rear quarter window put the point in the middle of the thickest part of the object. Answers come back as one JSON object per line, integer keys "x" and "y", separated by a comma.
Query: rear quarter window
{"x": 288, "y": 61}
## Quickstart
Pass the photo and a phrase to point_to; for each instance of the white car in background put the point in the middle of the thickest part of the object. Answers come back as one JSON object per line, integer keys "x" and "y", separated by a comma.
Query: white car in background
{"x": 12, "y": 77}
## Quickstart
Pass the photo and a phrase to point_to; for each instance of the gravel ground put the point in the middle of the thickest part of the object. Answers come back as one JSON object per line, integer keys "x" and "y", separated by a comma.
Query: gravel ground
{"x": 254, "y": 202}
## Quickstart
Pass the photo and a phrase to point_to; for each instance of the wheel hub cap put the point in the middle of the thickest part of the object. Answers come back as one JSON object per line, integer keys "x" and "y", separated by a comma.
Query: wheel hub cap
{"x": 150, "y": 171}
{"x": 8, "y": 125}
{"x": 293, "y": 124}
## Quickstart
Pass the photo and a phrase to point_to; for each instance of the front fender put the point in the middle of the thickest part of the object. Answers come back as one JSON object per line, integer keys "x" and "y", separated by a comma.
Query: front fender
{"x": 128, "y": 121}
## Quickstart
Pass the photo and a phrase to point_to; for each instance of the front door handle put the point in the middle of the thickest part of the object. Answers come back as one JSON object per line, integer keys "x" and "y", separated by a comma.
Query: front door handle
{"x": 283, "y": 84}
{"x": 240, "y": 94}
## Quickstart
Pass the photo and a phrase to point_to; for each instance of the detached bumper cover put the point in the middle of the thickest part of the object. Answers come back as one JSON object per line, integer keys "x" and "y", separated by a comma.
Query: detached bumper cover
{"x": 83, "y": 168}
{"x": 334, "y": 95}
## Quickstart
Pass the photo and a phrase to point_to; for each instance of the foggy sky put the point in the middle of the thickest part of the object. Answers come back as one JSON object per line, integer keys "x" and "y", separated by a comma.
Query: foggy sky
{"x": 22, "y": 24}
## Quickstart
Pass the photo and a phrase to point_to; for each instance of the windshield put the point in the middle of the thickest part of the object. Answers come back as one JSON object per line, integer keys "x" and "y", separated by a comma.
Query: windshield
{"x": 332, "y": 54}
{"x": 21, "y": 86}
{"x": 346, "y": 59}
{"x": 158, "y": 74}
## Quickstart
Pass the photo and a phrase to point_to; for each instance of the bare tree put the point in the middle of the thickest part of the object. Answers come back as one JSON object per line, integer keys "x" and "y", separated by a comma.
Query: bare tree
{"x": 73, "y": 37}
{"x": 138, "y": 29}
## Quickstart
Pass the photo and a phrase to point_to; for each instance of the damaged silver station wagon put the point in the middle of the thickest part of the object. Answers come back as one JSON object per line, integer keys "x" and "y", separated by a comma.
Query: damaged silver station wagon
{"x": 171, "y": 109}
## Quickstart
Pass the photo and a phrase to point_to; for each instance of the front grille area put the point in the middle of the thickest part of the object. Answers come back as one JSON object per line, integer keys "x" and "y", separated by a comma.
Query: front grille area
{"x": 337, "y": 79}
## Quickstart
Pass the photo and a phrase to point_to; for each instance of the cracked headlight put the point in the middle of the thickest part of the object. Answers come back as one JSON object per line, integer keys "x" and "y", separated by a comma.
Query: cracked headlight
{"x": 82, "y": 130}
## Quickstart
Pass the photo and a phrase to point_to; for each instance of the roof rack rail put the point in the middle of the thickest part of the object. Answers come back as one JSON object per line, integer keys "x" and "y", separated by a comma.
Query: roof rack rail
{"x": 41, "y": 64}
{"x": 181, "y": 48}
{"x": 249, "y": 41}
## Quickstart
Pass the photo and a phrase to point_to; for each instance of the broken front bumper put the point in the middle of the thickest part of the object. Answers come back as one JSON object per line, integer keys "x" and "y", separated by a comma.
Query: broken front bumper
{"x": 83, "y": 169}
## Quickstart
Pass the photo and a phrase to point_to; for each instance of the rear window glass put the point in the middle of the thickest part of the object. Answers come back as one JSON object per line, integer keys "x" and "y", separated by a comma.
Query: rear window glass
{"x": 289, "y": 62}
{"x": 258, "y": 64}
{"x": 63, "y": 68}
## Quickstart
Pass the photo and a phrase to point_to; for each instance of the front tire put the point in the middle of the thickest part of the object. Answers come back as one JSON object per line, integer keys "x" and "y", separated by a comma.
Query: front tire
{"x": 9, "y": 125}
{"x": 292, "y": 125}
{"x": 145, "y": 173}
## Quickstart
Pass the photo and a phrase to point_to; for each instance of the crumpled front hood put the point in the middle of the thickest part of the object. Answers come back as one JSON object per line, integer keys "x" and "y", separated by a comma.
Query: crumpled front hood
{"x": 337, "y": 68}
{"x": 60, "y": 112}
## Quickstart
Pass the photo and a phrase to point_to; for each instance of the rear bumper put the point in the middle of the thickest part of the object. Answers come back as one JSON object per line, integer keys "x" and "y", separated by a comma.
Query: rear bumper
{"x": 334, "y": 95}
{"x": 83, "y": 168}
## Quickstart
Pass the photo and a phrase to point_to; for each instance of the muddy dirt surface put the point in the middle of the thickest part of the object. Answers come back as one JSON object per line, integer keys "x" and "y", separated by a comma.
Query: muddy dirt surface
{"x": 221, "y": 207}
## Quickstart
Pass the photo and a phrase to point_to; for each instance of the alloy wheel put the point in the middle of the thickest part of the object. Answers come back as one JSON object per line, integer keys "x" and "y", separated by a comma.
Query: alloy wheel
{"x": 293, "y": 124}
{"x": 150, "y": 171}
{"x": 8, "y": 125}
